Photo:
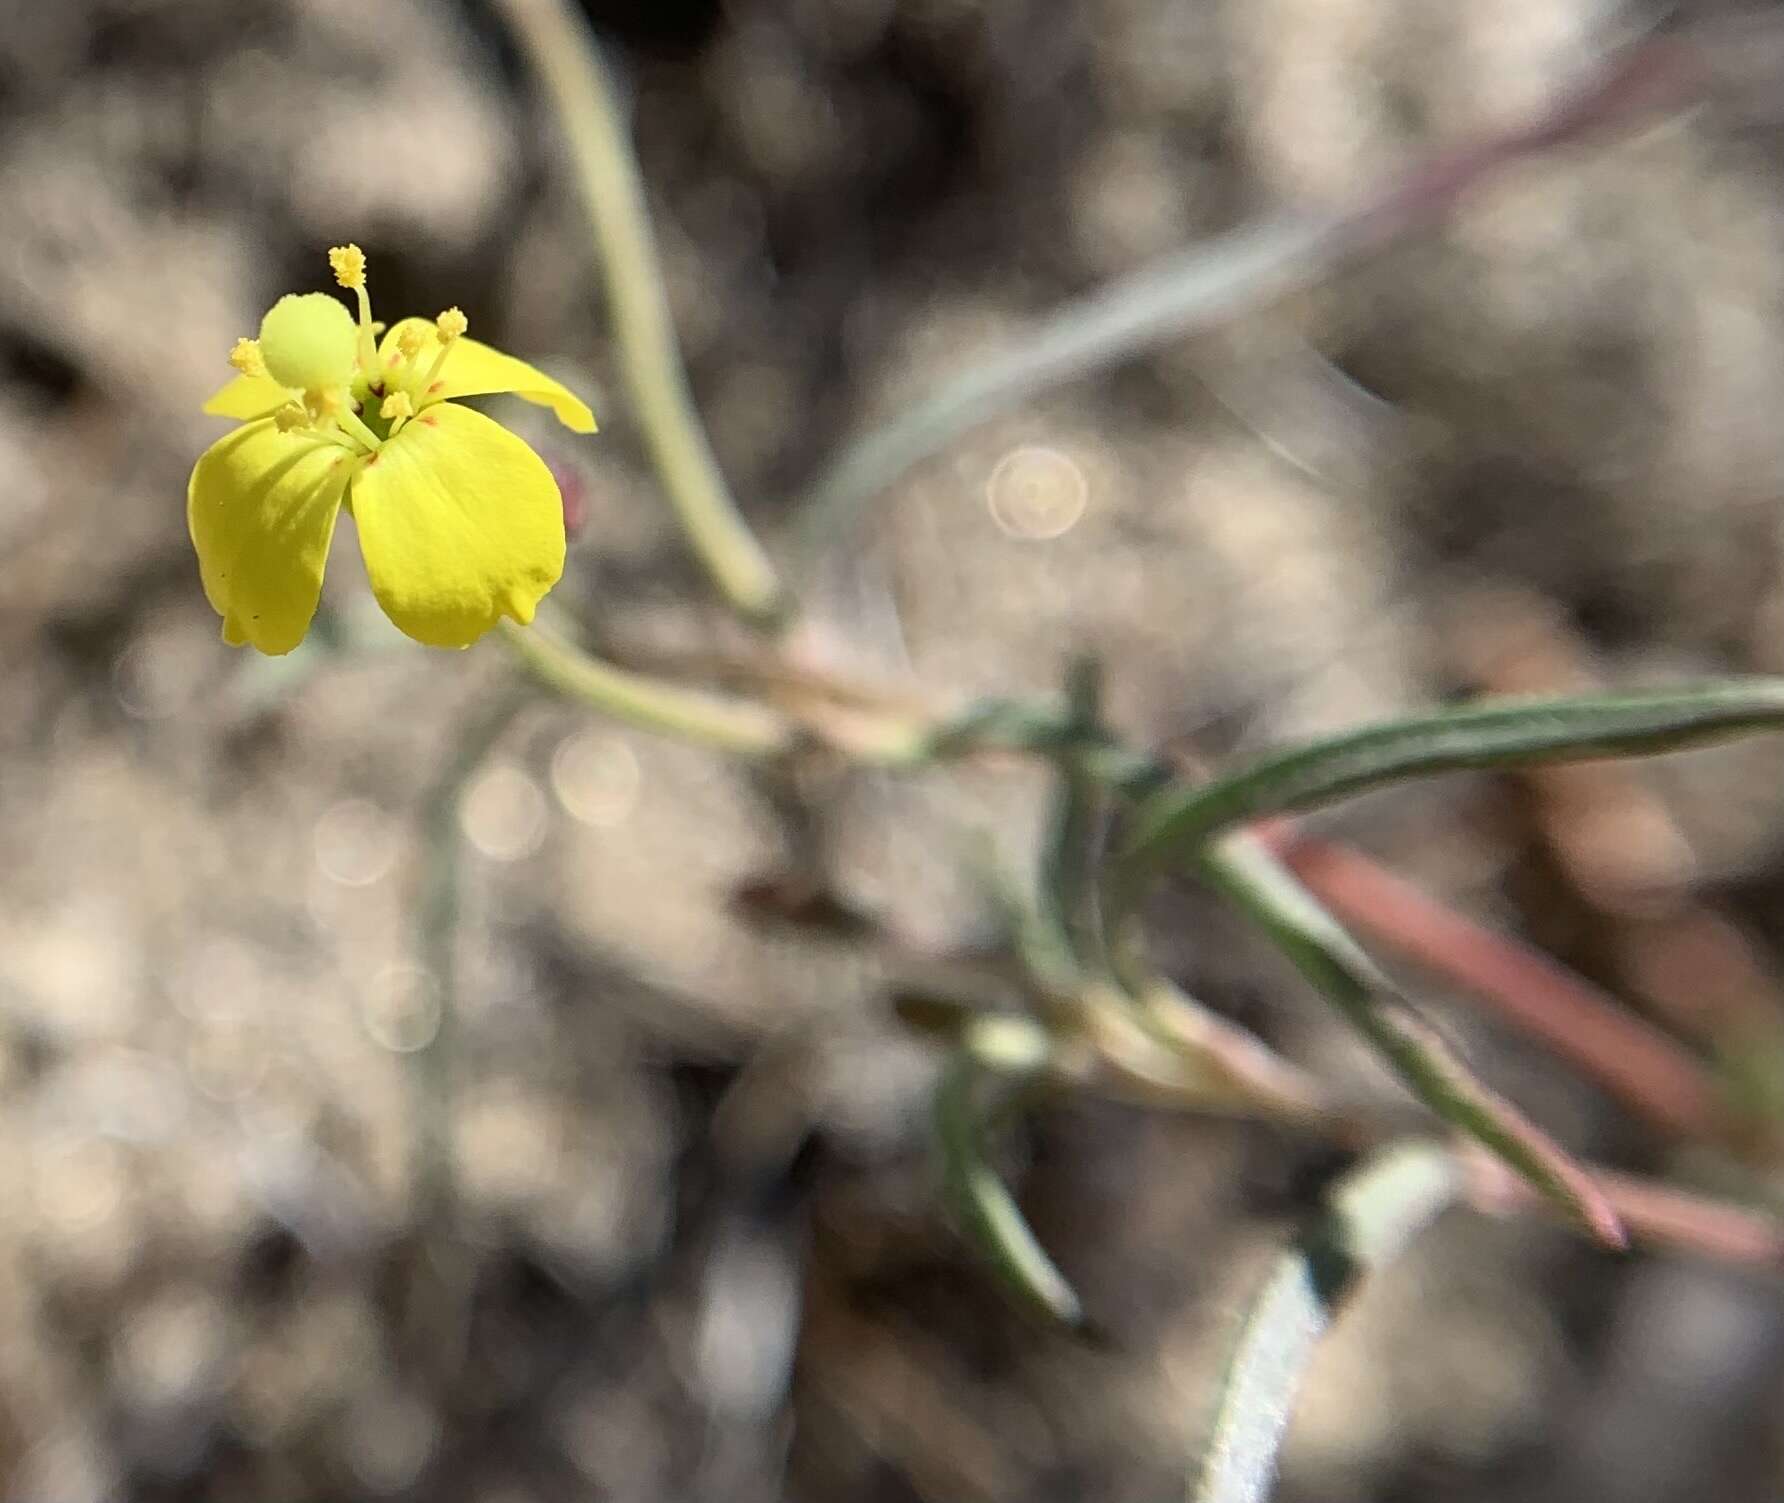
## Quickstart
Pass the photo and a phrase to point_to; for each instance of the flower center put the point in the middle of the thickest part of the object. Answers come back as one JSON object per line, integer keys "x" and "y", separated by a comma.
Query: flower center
{"x": 343, "y": 393}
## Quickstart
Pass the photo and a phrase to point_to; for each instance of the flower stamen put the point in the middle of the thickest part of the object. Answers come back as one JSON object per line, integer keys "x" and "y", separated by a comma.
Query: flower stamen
{"x": 450, "y": 327}
{"x": 293, "y": 419}
{"x": 246, "y": 357}
{"x": 411, "y": 342}
{"x": 396, "y": 410}
{"x": 348, "y": 264}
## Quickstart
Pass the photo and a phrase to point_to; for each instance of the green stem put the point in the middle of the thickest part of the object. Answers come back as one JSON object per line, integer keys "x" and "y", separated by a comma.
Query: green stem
{"x": 737, "y": 726}
{"x": 565, "y": 58}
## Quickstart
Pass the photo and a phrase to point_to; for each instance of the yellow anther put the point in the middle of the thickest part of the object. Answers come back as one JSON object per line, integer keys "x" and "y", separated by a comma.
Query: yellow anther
{"x": 412, "y": 340}
{"x": 348, "y": 262}
{"x": 246, "y": 358}
{"x": 451, "y": 324}
{"x": 291, "y": 417}
{"x": 397, "y": 405}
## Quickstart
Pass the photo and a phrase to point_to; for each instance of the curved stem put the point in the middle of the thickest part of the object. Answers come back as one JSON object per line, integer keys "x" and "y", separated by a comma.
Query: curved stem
{"x": 565, "y": 58}
{"x": 733, "y": 725}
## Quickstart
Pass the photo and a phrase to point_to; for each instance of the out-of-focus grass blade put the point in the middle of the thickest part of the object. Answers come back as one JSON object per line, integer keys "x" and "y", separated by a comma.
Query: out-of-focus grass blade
{"x": 436, "y": 935}
{"x": 1244, "y": 869}
{"x": 1206, "y": 286}
{"x": 1187, "y": 293}
{"x": 987, "y": 1211}
{"x": 1373, "y": 1213}
{"x": 1069, "y": 860}
{"x": 1506, "y": 734}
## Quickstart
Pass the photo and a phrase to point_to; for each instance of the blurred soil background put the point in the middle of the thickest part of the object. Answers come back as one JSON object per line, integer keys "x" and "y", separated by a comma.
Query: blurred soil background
{"x": 668, "y": 1227}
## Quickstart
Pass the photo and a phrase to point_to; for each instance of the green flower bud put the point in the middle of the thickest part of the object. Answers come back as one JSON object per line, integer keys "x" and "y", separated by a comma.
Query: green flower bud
{"x": 309, "y": 340}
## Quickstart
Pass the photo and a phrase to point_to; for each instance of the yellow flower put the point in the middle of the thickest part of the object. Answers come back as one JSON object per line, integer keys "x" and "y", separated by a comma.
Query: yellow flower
{"x": 460, "y": 523}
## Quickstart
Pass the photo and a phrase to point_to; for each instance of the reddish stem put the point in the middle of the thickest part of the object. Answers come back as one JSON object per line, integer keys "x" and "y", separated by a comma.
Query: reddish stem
{"x": 1656, "y": 1215}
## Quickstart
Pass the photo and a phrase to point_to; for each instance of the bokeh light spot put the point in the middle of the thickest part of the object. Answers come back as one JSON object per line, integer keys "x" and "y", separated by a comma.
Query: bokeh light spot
{"x": 595, "y": 776}
{"x": 80, "y": 1182}
{"x": 1036, "y": 493}
{"x": 504, "y": 814}
{"x": 355, "y": 842}
{"x": 403, "y": 1008}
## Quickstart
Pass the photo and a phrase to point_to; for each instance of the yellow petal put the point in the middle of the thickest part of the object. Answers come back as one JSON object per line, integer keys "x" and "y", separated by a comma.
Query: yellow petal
{"x": 476, "y": 370}
{"x": 460, "y": 524}
{"x": 248, "y": 397}
{"x": 261, "y": 509}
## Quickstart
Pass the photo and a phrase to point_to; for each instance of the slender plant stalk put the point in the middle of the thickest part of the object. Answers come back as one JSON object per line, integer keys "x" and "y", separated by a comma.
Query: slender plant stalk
{"x": 436, "y": 923}
{"x": 1657, "y": 1215}
{"x": 581, "y": 90}
{"x": 439, "y": 1296}
{"x": 741, "y": 727}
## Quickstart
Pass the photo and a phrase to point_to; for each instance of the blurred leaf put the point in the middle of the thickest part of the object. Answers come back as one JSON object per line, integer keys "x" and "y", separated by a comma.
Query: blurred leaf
{"x": 1373, "y": 1213}
{"x": 1178, "y": 820}
{"x": 1186, "y": 293}
{"x": 987, "y": 1210}
{"x": 1227, "y": 276}
{"x": 1069, "y": 859}
{"x": 1244, "y": 869}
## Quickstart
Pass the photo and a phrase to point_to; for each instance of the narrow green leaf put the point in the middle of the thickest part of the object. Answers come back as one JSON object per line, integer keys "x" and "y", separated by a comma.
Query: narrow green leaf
{"x": 988, "y": 1213}
{"x": 1244, "y": 869}
{"x": 1373, "y": 1213}
{"x": 1501, "y": 734}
